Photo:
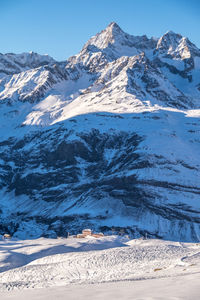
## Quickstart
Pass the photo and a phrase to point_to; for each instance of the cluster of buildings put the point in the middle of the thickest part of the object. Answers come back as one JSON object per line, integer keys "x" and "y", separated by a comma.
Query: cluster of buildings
{"x": 85, "y": 233}
{"x": 88, "y": 232}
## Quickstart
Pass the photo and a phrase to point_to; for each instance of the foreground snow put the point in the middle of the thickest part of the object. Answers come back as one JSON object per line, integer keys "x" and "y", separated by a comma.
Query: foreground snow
{"x": 180, "y": 287}
{"x": 64, "y": 266}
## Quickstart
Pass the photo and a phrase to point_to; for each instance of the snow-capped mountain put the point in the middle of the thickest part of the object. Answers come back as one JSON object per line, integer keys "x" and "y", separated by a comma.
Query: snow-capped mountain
{"x": 108, "y": 138}
{"x": 175, "y": 46}
{"x": 11, "y": 63}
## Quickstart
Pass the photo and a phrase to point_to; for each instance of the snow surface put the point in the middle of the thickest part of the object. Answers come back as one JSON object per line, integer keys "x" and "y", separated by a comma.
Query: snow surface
{"x": 170, "y": 139}
{"x": 112, "y": 267}
{"x": 172, "y": 288}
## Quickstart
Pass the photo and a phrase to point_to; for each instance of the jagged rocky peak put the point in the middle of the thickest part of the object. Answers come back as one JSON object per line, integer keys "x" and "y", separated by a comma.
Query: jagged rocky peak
{"x": 168, "y": 42}
{"x": 114, "y": 36}
{"x": 177, "y": 46}
{"x": 107, "y": 36}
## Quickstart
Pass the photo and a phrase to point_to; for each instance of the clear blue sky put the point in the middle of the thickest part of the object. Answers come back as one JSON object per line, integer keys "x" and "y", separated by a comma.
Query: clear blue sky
{"x": 61, "y": 27}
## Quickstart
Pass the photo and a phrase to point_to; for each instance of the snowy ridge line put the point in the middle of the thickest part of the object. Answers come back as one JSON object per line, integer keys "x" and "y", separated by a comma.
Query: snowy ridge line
{"x": 105, "y": 76}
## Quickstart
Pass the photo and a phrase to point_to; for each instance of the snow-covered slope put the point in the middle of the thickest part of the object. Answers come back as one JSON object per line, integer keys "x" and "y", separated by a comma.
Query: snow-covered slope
{"x": 30, "y": 85}
{"x": 110, "y": 137}
{"x": 26, "y": 266}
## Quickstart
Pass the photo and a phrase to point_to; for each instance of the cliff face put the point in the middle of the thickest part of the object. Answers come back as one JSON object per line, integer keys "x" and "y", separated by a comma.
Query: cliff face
{"x": 109, "y": 138}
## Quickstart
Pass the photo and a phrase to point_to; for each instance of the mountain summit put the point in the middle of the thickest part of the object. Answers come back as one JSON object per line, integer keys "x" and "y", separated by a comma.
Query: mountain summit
{"x": 108, "y": 36}
{"x": 107, "y": 139}
{"x": 177, "y": 46}
{"x": 115, "y": 39}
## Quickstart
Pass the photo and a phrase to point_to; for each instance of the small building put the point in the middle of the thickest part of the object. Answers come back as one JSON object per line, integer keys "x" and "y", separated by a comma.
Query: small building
{"x": 98, "y": 235}
{"x": 80, "y": 236}
{"x": 7, "y": 236}
{"x": 87, "y": 232}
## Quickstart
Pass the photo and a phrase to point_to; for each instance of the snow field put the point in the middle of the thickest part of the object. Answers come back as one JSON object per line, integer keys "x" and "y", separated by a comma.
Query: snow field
{"x": 45, "y": 263}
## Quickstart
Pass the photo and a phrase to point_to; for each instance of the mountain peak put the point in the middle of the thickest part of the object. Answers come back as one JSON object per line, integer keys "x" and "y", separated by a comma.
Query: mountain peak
{"x": 107, "y": 36}
{"x": 176, "y": 45}
{"x": 172, "y": 33}
{"x": 113, "y": 32}
{"x": 168, "y": 42}
{"x": 116, "y": 42}
{"x": 114, "y": 27}
{"x": 169, "y": 37}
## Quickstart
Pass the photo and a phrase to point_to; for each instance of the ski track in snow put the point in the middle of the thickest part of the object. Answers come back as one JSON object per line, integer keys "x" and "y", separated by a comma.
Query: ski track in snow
{"x": 48, "y": 263}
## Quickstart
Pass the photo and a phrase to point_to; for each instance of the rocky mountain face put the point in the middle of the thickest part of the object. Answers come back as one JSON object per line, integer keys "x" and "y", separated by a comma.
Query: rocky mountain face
{"x": 106, "y": 139}
{"x": 11, "y": 63}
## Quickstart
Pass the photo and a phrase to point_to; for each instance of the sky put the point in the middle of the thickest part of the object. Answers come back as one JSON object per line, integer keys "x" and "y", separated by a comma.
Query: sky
{"x": 61, "y": 27}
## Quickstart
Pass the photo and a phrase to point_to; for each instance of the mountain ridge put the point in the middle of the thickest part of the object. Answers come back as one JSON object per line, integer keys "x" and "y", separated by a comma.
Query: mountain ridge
{"x": 107, "y": 138}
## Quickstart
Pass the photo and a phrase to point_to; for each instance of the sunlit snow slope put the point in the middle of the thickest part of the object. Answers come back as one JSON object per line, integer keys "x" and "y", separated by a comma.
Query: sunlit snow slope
{"x": 45, "y": 263}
